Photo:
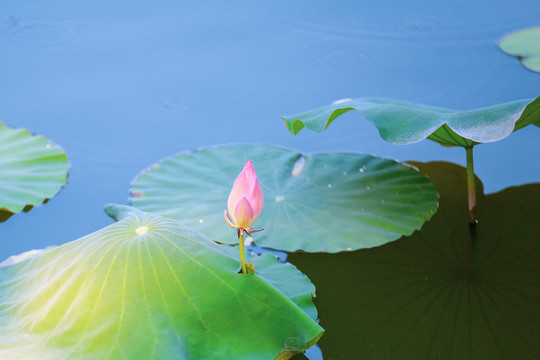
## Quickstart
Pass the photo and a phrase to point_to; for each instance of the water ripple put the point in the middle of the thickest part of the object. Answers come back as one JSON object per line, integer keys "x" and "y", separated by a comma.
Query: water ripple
{"x": 345, "y": 59}
{"x": 419, "y": 23}
{"x": 178, "y": 103}
{"x": 407, "y": 28}
{"x": 39, "y": 32}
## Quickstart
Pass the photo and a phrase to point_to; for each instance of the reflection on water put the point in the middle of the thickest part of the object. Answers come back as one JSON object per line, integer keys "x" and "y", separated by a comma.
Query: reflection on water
{"x": 433, "y": 295}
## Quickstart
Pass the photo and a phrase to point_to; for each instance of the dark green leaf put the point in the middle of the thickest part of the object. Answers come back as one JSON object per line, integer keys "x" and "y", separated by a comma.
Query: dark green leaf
{"x": 441, "y": 293}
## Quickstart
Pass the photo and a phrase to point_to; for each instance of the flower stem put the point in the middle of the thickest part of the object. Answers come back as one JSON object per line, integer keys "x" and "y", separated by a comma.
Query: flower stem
{"x": 471, "y": 186}
{"x": 242, "y": 256}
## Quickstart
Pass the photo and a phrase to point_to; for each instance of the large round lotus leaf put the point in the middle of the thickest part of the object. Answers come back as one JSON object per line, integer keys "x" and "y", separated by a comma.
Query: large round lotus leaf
{"x": 31, "y": 169}
{"x": 401, "y": 122}
{"x": 444, "y": 292}
{"x": 525, "y": 45}
{"x": 315, "y": 202}
{"x": 148, "y": 288}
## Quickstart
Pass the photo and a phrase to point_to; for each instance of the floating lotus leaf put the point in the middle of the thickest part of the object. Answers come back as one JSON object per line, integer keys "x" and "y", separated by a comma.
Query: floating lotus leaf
{"x": 525, "y": 45}
{"x": 32, "y": 170}
{"x": 442, "y": 293}
{"x": 315, "y": 202}
{"x": 148, "y": 288}
{"x": 401, "y": 122}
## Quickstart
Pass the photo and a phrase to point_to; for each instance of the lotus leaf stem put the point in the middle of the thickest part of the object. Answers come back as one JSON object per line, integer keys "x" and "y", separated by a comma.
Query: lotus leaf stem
{"x": 471, "y": 186}
{"x": 242, "y": 256}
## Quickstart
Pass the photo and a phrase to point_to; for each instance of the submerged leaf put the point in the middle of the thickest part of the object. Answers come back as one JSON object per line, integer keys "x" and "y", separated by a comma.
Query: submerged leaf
{"x": 525, "y": 45}
{"x": 315, "y": 202}
{"x": 401, "y": 122}
{"x": 32, "y": 170}
{"x": 442, "y": 293}
{"x": 148, "y": 288}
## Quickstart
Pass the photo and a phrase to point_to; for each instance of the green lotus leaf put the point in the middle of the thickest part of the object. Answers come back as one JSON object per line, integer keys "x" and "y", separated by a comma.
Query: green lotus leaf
{"x": 314, "y": 202}
{"x": 445, "y": 292}
{"x": 525, "y": 45}
{"x": 32, "y": 170}
{"x": 286, "y": 278}
{"x": 148, "y": 288}
{"x": 401, "y": 122}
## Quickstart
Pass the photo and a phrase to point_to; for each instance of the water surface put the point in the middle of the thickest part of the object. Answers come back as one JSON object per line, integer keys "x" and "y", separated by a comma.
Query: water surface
{"x": 121, "y": 85}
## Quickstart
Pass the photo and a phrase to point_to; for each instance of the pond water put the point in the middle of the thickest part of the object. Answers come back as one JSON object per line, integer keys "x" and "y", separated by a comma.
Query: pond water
{"x": 121, "y": 85}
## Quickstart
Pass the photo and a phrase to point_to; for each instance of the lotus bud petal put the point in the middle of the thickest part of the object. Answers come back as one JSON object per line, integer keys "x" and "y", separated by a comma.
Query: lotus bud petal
{"x": 246, "y": 199}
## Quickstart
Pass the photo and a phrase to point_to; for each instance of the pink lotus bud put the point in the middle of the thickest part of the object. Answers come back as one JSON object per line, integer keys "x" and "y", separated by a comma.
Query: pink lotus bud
{"x": 245, "y": 200}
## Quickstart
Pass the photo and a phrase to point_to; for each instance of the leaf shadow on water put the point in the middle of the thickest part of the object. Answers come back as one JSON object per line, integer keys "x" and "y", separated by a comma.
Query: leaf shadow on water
{"x": 5, "y": 215}
{"x": 443, "y": 292}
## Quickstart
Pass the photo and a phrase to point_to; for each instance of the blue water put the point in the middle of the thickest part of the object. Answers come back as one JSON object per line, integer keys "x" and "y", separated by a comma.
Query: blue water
{"x": 120, "y": 85}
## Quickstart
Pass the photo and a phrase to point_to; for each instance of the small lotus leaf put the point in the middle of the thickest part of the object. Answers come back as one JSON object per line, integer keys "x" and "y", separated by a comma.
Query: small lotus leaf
{"x": 148, "y": 288}
{"x": 32, "y": 170}
{"x": 315, "y": 202}
{"x": 401, "y": 122}
{"x": 525, "y": 45}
